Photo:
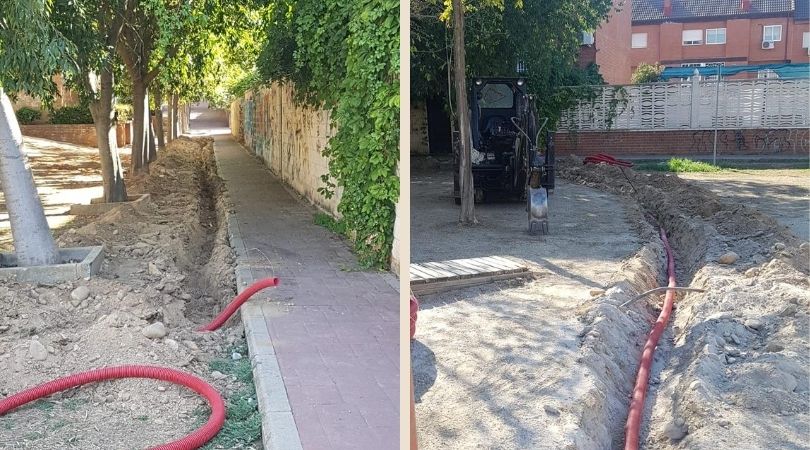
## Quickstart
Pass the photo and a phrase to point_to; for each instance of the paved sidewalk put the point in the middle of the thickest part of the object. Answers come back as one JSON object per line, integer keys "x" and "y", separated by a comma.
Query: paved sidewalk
{"x": 329, "y": 330}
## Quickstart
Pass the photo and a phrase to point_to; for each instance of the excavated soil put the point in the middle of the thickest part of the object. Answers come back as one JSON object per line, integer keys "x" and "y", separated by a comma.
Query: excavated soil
{"x": 166, "y": 262}
{"x": 733, "y": 368}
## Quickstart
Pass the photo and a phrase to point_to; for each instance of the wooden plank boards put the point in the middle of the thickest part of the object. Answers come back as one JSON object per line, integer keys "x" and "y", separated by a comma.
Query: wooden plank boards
{"x": 432, "y": 277}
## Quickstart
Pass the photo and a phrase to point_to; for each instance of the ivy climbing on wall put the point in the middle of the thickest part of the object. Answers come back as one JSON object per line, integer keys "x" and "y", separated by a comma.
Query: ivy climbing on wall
{"x": 344, "y": 56}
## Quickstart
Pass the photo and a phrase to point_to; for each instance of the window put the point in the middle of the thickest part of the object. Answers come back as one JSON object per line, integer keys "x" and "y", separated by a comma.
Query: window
{"x": 705, "y": 76}
{"x": 806, "y": 39}
{"x": 767, "y": 73}
{"x": 772, "y": 33}
{"x": 692, "y": 37}
{"x": 639, "y": 40}
{"x": 716, "y": 36}
{"x": 587, "y": 38}
{"x": 496, "y": 95}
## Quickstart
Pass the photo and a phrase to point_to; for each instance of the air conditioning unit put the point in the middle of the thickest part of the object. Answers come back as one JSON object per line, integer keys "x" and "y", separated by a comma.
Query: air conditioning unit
{"x": 767, "y": 45}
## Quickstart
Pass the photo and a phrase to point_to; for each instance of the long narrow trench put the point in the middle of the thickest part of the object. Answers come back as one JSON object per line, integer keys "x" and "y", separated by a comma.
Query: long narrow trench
{"x": 700, "y": 228}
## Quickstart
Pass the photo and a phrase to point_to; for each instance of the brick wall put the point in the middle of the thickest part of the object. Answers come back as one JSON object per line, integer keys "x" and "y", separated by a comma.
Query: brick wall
{"x": 613, "y": 44}
{"x": 776, "y": 142}
{"x": 74, "y": 134}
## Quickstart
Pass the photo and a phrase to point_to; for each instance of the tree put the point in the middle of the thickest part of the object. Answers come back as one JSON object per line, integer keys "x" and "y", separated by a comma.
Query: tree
{"x": 542, "y": 36}
{"x": 467, "y": 212}
{"x": 29, "y": 51}
{"x": 647, "y": 73}
{"x": 93, "y": 27}
{"x": 344, "y": 56}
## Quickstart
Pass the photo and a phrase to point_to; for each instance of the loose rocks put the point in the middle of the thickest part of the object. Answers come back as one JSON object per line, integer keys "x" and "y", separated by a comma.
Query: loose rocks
{"x": 154, "y": 331}
{"x": 79, "y": 294}
{"x": 728, "y": 258}
{"x": 37, "y": 351}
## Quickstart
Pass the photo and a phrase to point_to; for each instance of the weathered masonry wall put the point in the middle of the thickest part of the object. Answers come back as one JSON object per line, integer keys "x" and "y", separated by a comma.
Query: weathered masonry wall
{"x": 420, "y": 144}
{"x": 771, "y": 142}
{"x": 75, "y": 134}
{"x": 289, "y": 138}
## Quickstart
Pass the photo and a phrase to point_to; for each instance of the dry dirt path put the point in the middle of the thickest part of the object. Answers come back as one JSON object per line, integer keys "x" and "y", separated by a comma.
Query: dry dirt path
{"x": 65, "y": 174}
{"x": 499, "y": 365}
{"x": 783, "y": 194}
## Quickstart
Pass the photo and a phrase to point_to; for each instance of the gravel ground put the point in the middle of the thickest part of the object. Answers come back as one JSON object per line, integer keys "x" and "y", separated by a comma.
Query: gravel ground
{"x": 167, "y": 270}
{"x": 783, "y": 194}
{"x": 505, "y": 365}
{"x": 542, "y": 364}
{"x": 734, "y": 372}
{"x": 65, "y": 174}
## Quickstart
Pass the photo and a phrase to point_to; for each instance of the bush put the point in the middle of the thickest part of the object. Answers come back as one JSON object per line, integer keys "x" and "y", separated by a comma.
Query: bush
{"x": 123, "y": 112}
{"x": 28, "y": 115}
{"x": 647, "y": 73}
{"x": 71, "y": 115}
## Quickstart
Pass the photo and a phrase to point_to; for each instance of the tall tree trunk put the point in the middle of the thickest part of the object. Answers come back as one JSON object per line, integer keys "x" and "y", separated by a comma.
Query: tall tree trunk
{"x": 140, "y": 127}
{"x": 467, "y": 213}
{"x": 159, "y": 131}
{"x": 103, "y": 111}
{"x": 176, "y": 116}
{"x": 33, "y": 242}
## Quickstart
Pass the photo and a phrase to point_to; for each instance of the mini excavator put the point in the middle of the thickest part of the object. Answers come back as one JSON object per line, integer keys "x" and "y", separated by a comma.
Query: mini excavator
{"x": 507, "y": 157}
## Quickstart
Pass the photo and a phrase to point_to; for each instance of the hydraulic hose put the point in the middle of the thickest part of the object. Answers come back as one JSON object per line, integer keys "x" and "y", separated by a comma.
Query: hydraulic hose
{"x": 238, "y": 301}
{"x": 194, "y": 440}
{"x": 642, "y": 379}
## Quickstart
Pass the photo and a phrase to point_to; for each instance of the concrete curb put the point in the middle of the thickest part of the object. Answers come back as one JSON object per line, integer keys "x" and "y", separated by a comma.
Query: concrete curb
{"x": 89, "y": 263}
{"x": 279, "y": 431}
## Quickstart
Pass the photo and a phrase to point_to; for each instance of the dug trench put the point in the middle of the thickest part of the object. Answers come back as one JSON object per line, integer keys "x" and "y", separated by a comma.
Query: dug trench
{"x": 168, "y": 269}
{"x": 732, "y": 369}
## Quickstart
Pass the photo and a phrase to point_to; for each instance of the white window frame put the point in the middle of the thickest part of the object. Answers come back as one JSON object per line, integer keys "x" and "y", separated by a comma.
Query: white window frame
{"x": 767, "y": 74}
{"x": 633, "y": 43}
{"x": 588, "y": 38}
{"x": 689, "y": 42}
{"x": 806, "y": 39}
{"x": 771, "y": 27}
{"x": 716, "y": 30}
{"x": 708, "y": 64}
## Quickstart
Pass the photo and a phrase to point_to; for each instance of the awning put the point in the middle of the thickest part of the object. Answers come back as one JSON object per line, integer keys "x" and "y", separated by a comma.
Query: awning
{"x": 783, "y": 70}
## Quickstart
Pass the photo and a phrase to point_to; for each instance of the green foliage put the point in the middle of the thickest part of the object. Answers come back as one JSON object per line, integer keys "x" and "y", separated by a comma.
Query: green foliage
{"x": 344, "y": 55}
{"x": 248, "y": 81}
{"x": 31, "y": 50}
{"x": 330, "y": 223}
{"x": 71, "y": 115}
{"x": 243, "y": 424}
{"x": 680, "y": 165}
{"x": 647, "y": 73}
{"x": 28, "y": 115}
{"x": 545, "y": 36}
{"x": 123, "y": 112}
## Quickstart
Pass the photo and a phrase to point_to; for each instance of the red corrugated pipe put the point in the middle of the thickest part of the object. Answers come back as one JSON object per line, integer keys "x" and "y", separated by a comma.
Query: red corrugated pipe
{"x": 642, "y": 379}
{"x": 194, "y": 440}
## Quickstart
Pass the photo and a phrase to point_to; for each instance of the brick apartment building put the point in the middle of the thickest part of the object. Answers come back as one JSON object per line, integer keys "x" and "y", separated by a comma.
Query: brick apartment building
{"x": 608, "y": 47}
{"x": 695, "y": 33}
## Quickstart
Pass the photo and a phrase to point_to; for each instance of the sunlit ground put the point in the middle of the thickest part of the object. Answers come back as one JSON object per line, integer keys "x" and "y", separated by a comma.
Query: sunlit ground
{"x": 65, "y": 174}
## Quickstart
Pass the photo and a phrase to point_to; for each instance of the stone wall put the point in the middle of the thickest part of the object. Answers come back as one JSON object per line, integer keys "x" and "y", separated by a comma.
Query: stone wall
{"x": 84, "y": 134}
{"x": 289, "y": 138}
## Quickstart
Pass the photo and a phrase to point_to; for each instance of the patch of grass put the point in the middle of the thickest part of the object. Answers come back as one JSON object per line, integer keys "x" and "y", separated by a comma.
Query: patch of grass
{"x": 43, "y": 405}
{"x": 679, "y": 165}
{"x": 330, "y": 223}
{"x": 73, "y": 404}
{"x": 243, "y": 423}
{"x": 57, "y": 425}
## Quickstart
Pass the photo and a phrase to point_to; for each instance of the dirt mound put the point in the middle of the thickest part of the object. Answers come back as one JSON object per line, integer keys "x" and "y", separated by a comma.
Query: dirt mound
{"x": 732, "y": 370}
{"x": 167, "y": 270}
